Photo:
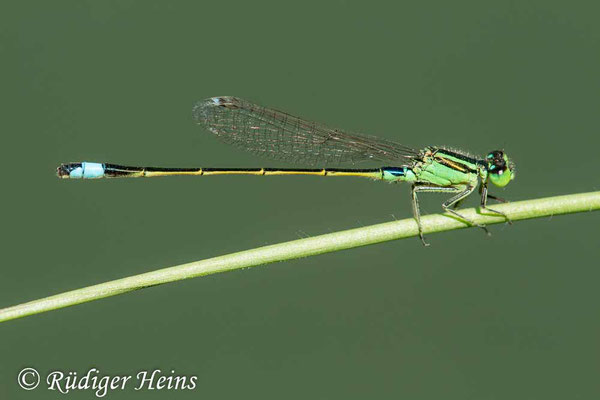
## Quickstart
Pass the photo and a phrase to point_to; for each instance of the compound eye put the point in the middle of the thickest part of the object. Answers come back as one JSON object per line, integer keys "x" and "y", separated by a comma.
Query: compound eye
{"x": 496, "y": 162}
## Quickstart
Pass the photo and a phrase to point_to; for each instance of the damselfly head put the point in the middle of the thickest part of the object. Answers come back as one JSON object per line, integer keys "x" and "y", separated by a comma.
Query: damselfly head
{"x": 500, "y": 169}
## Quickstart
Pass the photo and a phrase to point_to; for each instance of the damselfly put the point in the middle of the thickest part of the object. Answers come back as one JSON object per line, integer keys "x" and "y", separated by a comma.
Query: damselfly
{"x": 283, "y": 136}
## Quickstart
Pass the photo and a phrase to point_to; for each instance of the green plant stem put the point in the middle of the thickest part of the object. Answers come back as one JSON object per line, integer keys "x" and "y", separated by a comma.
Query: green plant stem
{"x": 308, "y": 247}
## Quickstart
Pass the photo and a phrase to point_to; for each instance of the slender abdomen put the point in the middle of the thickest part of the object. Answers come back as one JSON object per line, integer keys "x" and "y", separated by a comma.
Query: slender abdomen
{"x": 92, "y": 170}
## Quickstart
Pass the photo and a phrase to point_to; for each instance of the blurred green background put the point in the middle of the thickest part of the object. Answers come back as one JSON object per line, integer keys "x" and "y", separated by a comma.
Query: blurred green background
{"x": 510, "y": 316}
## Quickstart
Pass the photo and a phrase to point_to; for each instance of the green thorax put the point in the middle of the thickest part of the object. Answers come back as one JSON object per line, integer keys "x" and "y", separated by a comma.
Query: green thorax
{"x": 448, "y": 168}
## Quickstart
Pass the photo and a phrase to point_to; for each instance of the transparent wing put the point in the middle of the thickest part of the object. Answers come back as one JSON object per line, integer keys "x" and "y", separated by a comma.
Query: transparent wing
{"x": 276, "y": 134}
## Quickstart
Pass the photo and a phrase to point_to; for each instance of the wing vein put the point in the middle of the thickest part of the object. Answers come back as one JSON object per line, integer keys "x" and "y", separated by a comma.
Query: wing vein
{"x": 282, "y": 136}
